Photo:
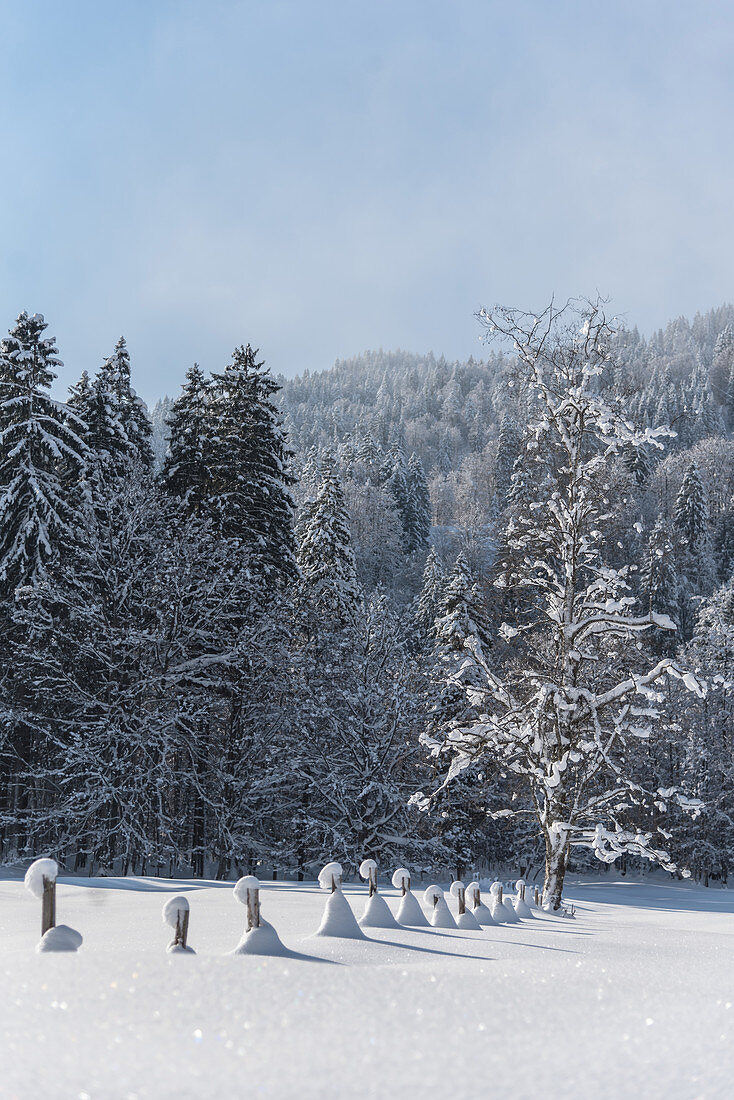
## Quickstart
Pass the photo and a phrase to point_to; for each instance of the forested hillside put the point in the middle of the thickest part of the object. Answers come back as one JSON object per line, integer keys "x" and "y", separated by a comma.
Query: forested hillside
{"x": 235, "y": 632}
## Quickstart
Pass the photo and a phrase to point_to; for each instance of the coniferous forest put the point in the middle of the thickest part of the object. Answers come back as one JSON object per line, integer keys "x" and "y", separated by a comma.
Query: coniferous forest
{"x": 454, "y": 615}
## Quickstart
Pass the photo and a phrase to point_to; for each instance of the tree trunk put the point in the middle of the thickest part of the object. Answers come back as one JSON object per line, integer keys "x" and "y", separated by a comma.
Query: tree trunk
{"x": 556, "y": 853}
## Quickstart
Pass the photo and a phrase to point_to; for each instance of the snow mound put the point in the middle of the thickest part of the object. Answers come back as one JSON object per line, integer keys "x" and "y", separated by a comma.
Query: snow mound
{"x": 512, "y": 917}
{"x": 468, "y": 921}
{"x": 178, "y": 949}
{"x": 441, "y": 915}
{"x": 401, "y": 878}
{"x": 456, "y": 887}
{"x": 264, "y": 940}
{"x": 338, "y": 919}
{"x": 483, "y": 914}
{"x": 497, "y": 909}
{"x": 60, "y": 938}
{"x": 377, "y": 914}
{"x": 40, "y": 869}
{"x": 495, "y": 888}
{"x": 172, "y": 908}
{"x": 365, "y": 867}
{"x": 330, "y": 871}
{"x": 522, "y": 908}
{"x": 248, "y": 882}
{"x": 410, "y": 913}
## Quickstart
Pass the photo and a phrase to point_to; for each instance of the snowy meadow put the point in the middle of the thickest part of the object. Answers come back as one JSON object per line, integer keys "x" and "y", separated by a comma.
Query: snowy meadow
{"x": 633, "y": 997}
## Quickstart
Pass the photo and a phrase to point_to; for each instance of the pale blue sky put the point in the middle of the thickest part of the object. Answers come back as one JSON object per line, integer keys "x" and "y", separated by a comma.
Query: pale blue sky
{"x": 318, "y": 178}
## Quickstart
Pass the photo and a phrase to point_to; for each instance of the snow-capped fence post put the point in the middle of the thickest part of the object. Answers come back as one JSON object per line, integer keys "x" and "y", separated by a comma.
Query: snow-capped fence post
{"x": 441, "y": 916}
{"x": 338, "y": 918}
{"x": 377, "y": 912}
{"x": 175, "y": 914}
{"x": 40, "y": 880}
{"x": 537, "y": 898}
{"x": 259, "y": 937}
{"x": 464, "y": 919}
{"x": 410, "y": 912}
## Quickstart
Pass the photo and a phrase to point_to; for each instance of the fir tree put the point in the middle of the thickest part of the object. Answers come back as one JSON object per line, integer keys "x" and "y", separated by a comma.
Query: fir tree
{"x": 250, "y": 498}
{"x": 325, "y": 555}
{"x": 508, "y": 450}
{"x": 418, "y": 517}
{"x": 186, "y": 471}
{"x": 430, "y": 595}
{"x": 397, "y": 489}
{"x": 659, "y": 585}
{"x": 41, "y": 456}
{"x": 460, "y": 613}
{"x": 691, "y": 509}
{"x": 96, "y": 406}
{"x": 128, "y": 409}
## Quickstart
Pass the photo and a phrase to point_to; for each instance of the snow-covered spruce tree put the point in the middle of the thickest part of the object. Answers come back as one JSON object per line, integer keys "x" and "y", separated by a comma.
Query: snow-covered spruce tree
{"x": 432, "y": 587}
{"x": 128, "y": 409}
{"x": 508, "y": 449}
{"x": 460, "y": 612}
{"x": 250, "y": 496}
{"x": 658, "y": 583}
{"x": 564, "y": 716}
{"x": 186, "y": 472}
{"x": 95, "y": 404}
{"x": 41, "y": 455}
{"x": 418, "y": 518}
{"x": 691, "y": 509}
{"x": 396, "y": 485}
{"x": 325, "y": 557}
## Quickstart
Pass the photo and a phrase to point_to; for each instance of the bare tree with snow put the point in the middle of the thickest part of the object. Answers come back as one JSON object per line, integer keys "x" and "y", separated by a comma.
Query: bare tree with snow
{"x": 565, "y": 705}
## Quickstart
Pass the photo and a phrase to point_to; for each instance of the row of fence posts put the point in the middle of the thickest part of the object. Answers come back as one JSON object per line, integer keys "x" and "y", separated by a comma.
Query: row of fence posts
{"x": 41, "y": 881}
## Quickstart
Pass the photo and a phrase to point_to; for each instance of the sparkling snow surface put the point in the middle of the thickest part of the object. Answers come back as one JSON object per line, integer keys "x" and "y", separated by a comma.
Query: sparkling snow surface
{"x": 635, "y": 998}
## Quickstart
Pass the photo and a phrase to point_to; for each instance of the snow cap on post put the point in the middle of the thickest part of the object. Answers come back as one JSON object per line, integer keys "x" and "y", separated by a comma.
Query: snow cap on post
{"x": 332, "y": 871}
{"x": 249, "y": 882}
{"x": 401, "y": 878}
{"x": 432, "y": 894}
{"x": 473, "y": 890}
{"x": 519, "y": 885}
{"x": 457, "y": 888}
{"x": 365, "y": 867}
{"x": 172, "y": 908}
{"x": 37, "y": 872}
{"x": 495, "y": 888}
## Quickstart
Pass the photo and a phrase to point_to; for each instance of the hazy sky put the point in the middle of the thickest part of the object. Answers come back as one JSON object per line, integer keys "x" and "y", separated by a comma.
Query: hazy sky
{"x": 321, "y": 178}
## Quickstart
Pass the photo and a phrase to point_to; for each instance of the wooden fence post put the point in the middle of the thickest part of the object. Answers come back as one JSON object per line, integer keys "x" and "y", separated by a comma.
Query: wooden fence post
{"x": 253, "y": 907}
{"x": 48, "y": 905}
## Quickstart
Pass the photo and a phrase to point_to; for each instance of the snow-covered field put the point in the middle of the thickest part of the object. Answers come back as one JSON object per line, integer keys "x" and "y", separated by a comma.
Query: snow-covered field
{"x": 633, "y": 998}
